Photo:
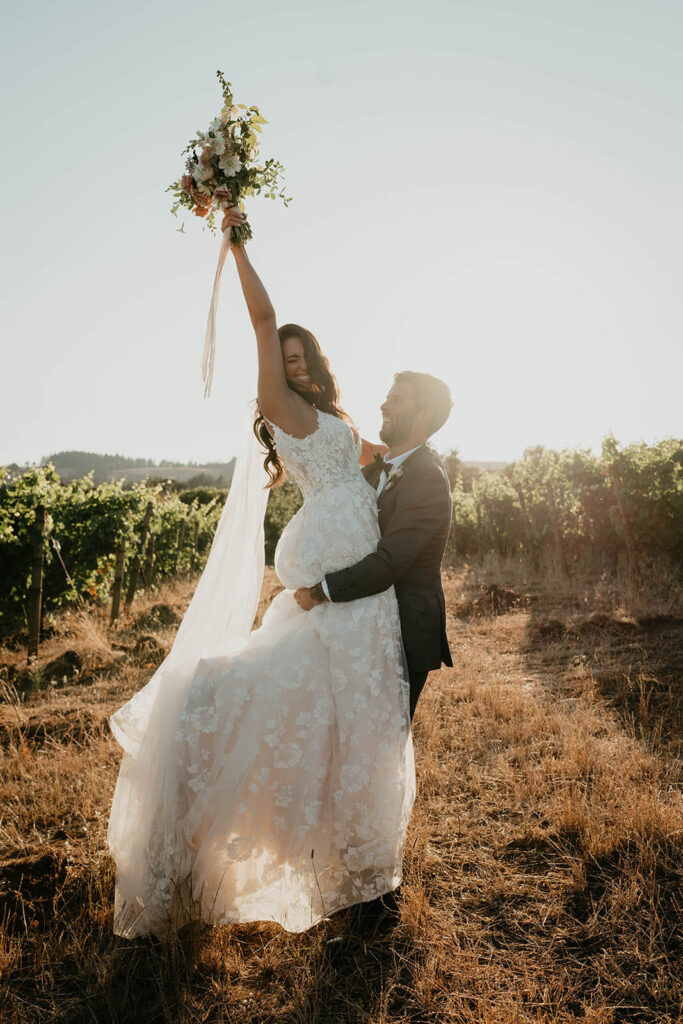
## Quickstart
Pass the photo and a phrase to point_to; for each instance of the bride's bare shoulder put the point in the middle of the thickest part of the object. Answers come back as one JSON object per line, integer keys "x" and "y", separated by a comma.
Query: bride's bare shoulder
{"x": 293, "y": 416}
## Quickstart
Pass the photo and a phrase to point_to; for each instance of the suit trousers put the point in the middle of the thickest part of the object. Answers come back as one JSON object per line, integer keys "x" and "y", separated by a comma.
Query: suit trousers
{"x": 371, "y": 911}
{"x": 417, "y": 681}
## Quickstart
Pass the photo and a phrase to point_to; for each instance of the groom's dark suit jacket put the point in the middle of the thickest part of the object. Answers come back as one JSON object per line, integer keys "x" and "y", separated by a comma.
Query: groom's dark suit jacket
{"x": 414, "y": 520}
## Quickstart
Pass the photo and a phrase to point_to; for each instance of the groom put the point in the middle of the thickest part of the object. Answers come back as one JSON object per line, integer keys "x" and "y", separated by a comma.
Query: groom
{"x": 414, "y": 505}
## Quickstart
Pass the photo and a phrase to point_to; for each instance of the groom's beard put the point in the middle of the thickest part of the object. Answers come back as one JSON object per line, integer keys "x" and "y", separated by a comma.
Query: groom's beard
{"x": 397, "y": 431}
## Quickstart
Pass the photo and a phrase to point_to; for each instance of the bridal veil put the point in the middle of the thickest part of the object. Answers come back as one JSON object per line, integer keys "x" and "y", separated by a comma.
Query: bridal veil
{"x": 222, "y": 609}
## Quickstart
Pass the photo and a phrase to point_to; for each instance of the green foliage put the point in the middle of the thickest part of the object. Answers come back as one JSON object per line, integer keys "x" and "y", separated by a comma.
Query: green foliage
{"x": 84, "y": 525}
{"x": 510, "y": 510}
{"x": 283, "y": 502}
{"x": 452, "y": 463}
{"x": 651, "y": 479}
{"x": 459, "y": 475}
{"x": 203, "y": 495}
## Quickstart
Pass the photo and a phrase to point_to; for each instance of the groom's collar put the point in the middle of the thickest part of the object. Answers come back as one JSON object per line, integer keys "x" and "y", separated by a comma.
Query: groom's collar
{"x": 372, "y": 472}
{"x": 414, "y": 453}
{"x": 398, "y": 459}
{"x": 404, "y": 460}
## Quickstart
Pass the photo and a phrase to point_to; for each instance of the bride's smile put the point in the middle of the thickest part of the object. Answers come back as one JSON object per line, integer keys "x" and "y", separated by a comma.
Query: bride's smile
{"x": 296, "y": 369}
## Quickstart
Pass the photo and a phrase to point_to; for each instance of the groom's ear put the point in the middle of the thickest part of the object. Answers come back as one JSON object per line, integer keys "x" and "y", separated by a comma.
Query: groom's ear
{"x": 423, "y": 420}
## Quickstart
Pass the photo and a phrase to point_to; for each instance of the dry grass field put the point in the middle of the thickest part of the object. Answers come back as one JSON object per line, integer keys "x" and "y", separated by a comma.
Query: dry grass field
{"x": 543, "y": 866}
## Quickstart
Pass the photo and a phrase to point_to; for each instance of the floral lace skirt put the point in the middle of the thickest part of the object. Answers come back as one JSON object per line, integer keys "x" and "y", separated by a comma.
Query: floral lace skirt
{"x": 281, "y": 787}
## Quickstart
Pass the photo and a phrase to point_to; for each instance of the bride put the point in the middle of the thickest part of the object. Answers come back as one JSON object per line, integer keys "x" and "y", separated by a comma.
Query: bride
{"x": 269, "y": 775}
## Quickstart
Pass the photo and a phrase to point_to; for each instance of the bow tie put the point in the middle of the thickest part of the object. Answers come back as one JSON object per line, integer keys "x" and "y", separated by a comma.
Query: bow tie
{"x": 382, "y": 464}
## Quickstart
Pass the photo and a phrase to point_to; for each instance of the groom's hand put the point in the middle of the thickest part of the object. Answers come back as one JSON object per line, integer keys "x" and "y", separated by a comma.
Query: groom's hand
{"x": 303, "y": 598}
{"x": 309, "y": 597}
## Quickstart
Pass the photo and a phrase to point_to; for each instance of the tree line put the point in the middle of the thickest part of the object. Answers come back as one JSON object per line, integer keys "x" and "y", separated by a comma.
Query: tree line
{"x": 572, "y": 509}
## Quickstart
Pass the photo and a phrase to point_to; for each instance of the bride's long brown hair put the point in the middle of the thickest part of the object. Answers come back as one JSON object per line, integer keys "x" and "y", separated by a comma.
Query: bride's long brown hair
{"x": 323, "y": 394}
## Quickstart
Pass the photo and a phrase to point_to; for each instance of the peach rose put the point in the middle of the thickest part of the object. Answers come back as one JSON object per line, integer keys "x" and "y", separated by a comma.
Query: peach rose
{"x": 223, "y": 196}
{"x": 202, "y": 202}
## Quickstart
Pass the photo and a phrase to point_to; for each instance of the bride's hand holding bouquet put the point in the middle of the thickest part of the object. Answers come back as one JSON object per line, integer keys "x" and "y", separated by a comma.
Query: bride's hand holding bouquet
{"x": 234, "y": 218}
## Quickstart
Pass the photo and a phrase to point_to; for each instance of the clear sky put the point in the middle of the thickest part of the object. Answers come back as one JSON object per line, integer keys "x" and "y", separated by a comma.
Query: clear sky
{"x": 488, "y": 191}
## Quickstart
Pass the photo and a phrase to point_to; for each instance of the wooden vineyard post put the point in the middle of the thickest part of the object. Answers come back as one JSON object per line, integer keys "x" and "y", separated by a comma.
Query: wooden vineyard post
{"x": 35, "y": 594}
{"x": 135, "y": 568}
{"x": 195, "y": 536}
{"x": 149, "y": 561}
{"x": 626, "y": 524}
{"x": 557, "y": 532}
{"x": 118, "y": 580}
{"x": 181, "y": 538}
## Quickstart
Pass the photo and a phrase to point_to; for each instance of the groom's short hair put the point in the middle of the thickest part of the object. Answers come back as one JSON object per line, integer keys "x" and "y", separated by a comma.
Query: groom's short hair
{"x": 430, "y": 393}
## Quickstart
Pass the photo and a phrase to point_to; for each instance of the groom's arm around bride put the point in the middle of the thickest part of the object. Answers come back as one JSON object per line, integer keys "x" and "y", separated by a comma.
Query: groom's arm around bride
{"x": 414, "y": 509}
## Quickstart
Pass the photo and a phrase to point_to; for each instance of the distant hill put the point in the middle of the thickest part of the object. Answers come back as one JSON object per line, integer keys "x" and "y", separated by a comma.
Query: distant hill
{"x": 72, "y": 465}
{"x": 75, "y": 464}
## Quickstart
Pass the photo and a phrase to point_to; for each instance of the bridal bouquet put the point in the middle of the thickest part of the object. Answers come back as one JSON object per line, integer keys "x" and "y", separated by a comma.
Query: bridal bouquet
{"x": 224, "y": 171}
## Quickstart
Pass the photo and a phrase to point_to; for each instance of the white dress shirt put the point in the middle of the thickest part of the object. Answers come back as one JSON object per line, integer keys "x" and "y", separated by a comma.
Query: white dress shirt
{"x": 396, "y": 461}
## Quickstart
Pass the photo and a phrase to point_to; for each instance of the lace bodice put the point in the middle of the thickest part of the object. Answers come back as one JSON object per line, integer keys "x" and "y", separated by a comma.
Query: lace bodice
{"x": 326, "y": 458}
{"x": 337, "y": 523}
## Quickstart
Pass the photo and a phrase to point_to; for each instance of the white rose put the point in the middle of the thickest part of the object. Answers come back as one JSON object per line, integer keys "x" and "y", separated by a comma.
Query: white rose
{"x": 202, "y": 172}
{"x": 230, "y": 165}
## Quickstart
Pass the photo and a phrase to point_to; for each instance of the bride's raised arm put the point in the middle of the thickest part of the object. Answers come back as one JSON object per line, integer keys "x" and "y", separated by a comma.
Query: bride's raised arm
{"x": 278, "y": 402}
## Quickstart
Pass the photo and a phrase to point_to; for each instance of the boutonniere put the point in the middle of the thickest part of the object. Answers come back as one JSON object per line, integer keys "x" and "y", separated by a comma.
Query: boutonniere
{"x": 394, "y": 476}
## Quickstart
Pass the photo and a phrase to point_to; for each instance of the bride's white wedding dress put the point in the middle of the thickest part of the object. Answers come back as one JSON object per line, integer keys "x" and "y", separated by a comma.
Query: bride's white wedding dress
{"x": 282, "y": 785}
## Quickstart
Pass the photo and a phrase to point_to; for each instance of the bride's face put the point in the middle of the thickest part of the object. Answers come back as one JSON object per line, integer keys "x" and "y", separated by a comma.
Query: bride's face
{"x": 295, "y": 362}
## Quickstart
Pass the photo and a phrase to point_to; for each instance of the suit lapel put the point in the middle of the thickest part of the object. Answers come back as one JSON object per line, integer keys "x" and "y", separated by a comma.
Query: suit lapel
{"x": 388, "y": 491}
{"x": 372, "y": 473}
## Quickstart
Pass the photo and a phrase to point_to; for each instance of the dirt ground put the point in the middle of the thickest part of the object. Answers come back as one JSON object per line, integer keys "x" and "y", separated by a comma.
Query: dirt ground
{"x": 543, "y": 867}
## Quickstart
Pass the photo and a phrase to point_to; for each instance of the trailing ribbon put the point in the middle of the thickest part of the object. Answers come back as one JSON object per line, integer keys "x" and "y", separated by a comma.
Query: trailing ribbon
{"x": 210, "y": 337}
